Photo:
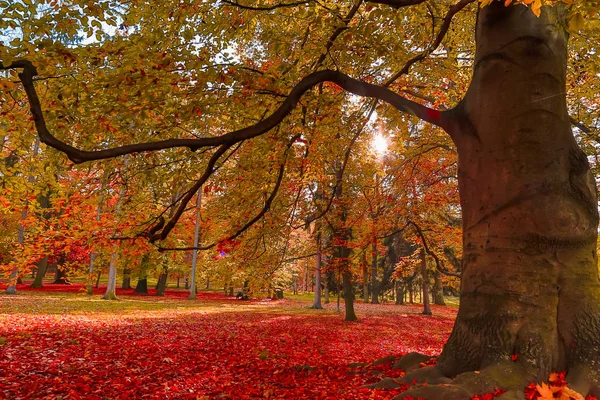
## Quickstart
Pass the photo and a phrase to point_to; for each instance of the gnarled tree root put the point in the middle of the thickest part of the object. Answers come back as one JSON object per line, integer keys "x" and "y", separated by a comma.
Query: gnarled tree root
{"x": 431, "y": 383}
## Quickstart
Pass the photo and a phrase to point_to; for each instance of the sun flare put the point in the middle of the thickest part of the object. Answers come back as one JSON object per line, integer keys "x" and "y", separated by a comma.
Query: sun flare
{"x": 379, "y": 144}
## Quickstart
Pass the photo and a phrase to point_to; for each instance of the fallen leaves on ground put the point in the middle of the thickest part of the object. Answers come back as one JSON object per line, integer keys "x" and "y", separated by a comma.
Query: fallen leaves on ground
{"x": 214, "y": 348}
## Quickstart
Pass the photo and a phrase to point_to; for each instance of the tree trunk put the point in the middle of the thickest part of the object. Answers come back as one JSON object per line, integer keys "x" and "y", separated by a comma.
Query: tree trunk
{"x": 399, "y": 293}
{"x": 426, "y": 306}
{"x": 142, "y": 283}
{"x": 111, "y": 285}
{"x": 438, "y": 290}
{"x": 374, "y": 285}
{"x": 126, "y": 285}
{"x": 42, "y": 267}
{"x": 317, "y": 302}
{"x": 410, "y": 293}
{"x": 98, "y": 278}
{"x": 161, "y": 285}
{"x": 365, "y": 278}
{"x": 60, "y": 277}
{"x": 530, "y": 283}
{"x": 192, "y": 295}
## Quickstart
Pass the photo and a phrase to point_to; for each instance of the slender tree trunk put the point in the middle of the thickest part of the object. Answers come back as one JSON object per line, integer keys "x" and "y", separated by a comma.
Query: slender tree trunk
{"x": 42, "y": 267}
{"x": 530, "y": 282}
{"x": 88, "y": 284}
{"x": 410, "y": 293}
{"x": 98, "y": 278}
{"x": 93, "y": 255}
{"x": 424, "y": 273}
{"x": 14, "y": 274}
{"x": 374, "y": 283}
{"x": 111, "y": 285}
{"x": 192, "y": 295}
{"x": 365, "y": 278}
{"x": 339, "y": 290}
{"x": 317, "y": 302}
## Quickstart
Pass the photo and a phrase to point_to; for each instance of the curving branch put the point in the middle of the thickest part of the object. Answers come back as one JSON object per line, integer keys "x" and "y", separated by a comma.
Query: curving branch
{"x": 438, "y": 263}
{"x": 265, "y": 8}
{"x": 397, "y": 3}
{"x": 210, "y": 168}
{"x": 436, "y": 43}
{"x": 346, "y": 20}
{"x": 263, "y": 211}
{"x": 442, "y": 119}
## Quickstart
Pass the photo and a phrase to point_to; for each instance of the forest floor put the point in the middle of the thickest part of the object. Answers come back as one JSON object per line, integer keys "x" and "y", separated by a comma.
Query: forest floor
{"x": 56, "y": 342}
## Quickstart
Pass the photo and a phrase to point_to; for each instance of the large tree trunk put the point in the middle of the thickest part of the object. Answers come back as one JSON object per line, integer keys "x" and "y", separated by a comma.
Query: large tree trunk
{"x": 530, "y": 282}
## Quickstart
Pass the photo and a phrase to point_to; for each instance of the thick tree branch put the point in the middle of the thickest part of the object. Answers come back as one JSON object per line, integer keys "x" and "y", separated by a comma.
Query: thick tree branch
{"x": 360, "y": 88}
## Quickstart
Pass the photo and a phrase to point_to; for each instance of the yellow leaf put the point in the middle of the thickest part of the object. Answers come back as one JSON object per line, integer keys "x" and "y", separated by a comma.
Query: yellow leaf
{"x": 536, "y": 7}
{"x": 576, "y": 22}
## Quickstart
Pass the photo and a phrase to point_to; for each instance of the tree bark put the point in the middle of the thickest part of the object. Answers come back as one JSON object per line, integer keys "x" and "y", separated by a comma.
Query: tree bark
{"x": 425, "y": 275}
{"x": 126, "y": 279}
{"x": 438, "y": 290}
{"x": 530, "y": 282}
{"x": 365, "y": 277}
{"x": 374, "y": 285}
{"x": 111, "y": 285}
{"x": 399, "y": 293}
{"x": 317, "y": 302}
{"x": 161, "y": 285}
{"x": 42, "y": 267}
{"x": 142, "y": 283}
